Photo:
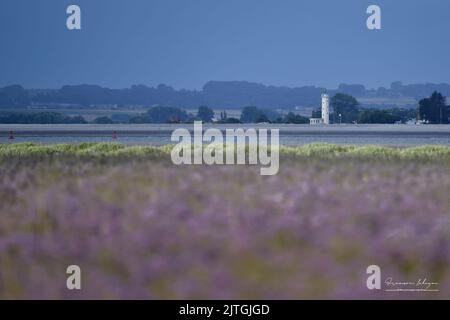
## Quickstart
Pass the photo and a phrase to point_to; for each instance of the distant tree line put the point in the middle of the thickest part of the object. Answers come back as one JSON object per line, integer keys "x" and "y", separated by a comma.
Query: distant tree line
{"x": 250, "y": 114}
{"x": 220, "y": 94}
{"x": 396, "y": 90}
{"x": 231, "y": 94}
{"x": 386, "y": 116}
{"x": 345, "y": 109}
{"x": 39, "y": 118}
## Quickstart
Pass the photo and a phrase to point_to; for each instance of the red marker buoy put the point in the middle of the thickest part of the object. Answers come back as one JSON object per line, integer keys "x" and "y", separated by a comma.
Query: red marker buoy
{"x": 11, "y": 135}
{"x": 114, "y": 136}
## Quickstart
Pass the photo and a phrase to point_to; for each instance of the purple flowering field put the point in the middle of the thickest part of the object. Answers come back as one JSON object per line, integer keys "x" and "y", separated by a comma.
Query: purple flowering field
{"x": 147, "y": 229}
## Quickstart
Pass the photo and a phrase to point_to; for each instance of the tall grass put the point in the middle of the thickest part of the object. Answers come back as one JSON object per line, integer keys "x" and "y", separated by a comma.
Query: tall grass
{"x": 316, "y": 150}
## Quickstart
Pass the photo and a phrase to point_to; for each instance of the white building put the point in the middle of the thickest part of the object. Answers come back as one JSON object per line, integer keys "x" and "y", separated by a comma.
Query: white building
{"x": 325, "y": 111}
{"x": 315, "y": 121}
{"x": 325, "y": 108}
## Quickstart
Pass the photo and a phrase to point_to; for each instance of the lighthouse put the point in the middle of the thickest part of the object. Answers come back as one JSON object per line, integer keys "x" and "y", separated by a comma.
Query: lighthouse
{"x": 325, "y": 119}
{"x": 325, "y": 108}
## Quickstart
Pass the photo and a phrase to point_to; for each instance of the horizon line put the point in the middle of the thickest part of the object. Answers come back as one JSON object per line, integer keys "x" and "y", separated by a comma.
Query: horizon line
{"x": 224, "y": 81}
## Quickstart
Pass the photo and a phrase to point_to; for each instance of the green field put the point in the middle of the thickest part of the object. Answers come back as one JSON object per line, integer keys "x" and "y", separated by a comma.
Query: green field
{"x": 317, "y": 150}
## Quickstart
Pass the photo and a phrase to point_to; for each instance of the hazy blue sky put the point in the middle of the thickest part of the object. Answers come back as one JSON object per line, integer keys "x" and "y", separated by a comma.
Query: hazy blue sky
{"x": 186, "y": 43}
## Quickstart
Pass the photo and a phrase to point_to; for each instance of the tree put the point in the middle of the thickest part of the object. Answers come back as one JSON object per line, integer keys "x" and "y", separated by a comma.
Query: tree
{"x": 252, "y": 114}
{"x": 403, "y": 114}
{"x": 205, "y": 113}
{"x": 345, "y": 105}
{"x": 377, "y": 116}
{"x": 295, "y": 118}
{"x": 262, "y": 118}
{"x": 433, "y": 109}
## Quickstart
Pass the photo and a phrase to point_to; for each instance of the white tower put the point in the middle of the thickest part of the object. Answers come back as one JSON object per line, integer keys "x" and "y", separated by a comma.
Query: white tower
{"x": 325, "y": 108}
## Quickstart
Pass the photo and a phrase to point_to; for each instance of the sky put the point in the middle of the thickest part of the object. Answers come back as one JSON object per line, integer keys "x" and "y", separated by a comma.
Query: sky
{"x": 187, "y": 43}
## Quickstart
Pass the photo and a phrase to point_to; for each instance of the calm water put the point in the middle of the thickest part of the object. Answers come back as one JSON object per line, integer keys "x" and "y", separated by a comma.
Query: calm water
{"x": 293, "y": 135}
